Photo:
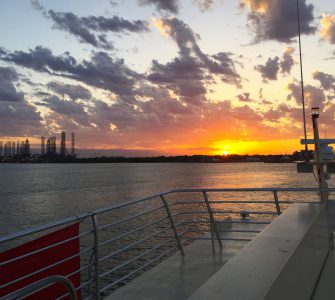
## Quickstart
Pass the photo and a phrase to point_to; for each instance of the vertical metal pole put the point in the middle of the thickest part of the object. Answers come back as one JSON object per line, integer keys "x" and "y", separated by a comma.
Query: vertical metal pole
{"x": 275, "y": 195}
{"x": 211, "y": 217}
{"x": 212, "y": 238}
{"x": 302, "y": 84}
{"x": 172, "y": 225}
{"x": 320, "y": 167}
{"x": 96, "y": 258}
{"x": 89, "y": 273}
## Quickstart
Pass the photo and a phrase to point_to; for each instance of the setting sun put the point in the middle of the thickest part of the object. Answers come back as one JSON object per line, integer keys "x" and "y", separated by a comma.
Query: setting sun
{"x": 225, "y": 153}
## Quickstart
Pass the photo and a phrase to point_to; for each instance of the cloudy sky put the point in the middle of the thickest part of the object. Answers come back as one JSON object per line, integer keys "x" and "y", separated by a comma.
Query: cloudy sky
{"x": 166, "y": 76}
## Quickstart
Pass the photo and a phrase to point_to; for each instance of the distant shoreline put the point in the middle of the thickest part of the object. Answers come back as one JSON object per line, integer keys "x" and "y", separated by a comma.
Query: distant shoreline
{"x": 158, "y": 159}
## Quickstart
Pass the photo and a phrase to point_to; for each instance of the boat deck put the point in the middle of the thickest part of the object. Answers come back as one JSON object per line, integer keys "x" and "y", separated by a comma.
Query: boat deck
{"x": 286, "y": 260}
{"x": 179, "y": 276}
{"x": 325, "y": 289}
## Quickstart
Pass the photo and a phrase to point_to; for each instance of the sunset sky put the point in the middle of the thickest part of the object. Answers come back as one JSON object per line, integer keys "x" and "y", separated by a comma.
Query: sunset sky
{"x": 166, "y": 77}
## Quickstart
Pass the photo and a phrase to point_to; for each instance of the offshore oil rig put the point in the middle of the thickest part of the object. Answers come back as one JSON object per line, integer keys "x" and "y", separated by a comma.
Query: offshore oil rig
{"x": 22, "y": 152}
{"x": 49, "y": 148}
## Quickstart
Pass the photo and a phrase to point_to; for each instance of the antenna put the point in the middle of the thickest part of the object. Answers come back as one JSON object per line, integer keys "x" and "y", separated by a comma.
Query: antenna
{"x": 302, "y": 84}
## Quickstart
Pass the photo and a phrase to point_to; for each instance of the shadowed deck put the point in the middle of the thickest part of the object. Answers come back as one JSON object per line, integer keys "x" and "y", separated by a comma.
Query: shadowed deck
{"x": 178, "y": 277}
{"x": 326, "y": 289}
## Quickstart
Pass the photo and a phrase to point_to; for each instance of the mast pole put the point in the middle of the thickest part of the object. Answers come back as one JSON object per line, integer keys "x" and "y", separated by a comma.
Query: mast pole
{"x": 302, "y": 84}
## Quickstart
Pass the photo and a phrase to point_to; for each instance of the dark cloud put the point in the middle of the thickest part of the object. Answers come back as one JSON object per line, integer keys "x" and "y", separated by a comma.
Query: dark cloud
{"x": 223, "y": 65}
{"x": 272, "y": 115}
{"x": 164, "y": 118}
{"x": 283, "y": 110}
{"x": 287, "y": 61}
{"x": 188, "y": 74}
{"x": 104, "y": 72}
{"x": 180, "y": 68}
{"x": 277, "y": 19}
{"x": 327, "y": 81}
{"x": 183, "y": 35}
{"x": 204, "y": 5}
{"x": 19, "y": 119}
{"x": 73, "y": 91}
{"x": 159, "y": 110}
{"x": 314, "y": 97}
{"x": 72, "y": 110}
{"x": 183, "y": 75}
{"x": 37, "y": 5}
{"x": 162, "y": 104}
{"x": 85, "y": 28}
{"x": 113, "y": 3}
{"x": 121, "y": 120}
{"x": 122, "y": 115}
{"x": 163, "y": 5}
{"x": 269, "y": 71}
{"x": 100, "y": 71}
{"x": 73, "y": 24}
{"x": 42, "y": 60}
{"x": 245, "y": 97}
{"x": 266, "y": 102}
{"x": 8, "y": 91}
{"x": 219, "y": 64}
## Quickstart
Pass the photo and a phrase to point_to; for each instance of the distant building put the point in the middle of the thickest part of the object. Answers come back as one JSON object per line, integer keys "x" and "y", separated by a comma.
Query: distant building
{"x": 27, "y": 147}
{"x": 63, "y": 144}
{"x": 48, "y": 147}
{"x": 42, "y": 145}
{"x": 51, "y": 146}
{"x": 13, "y": 148}
{"x": 73, "y": 144}
{"x": 8, "y": 149}
{"x": 22, "y": 147}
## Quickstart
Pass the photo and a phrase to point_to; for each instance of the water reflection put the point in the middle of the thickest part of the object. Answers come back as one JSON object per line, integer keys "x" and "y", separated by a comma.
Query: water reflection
{"x": 34, "y": 194}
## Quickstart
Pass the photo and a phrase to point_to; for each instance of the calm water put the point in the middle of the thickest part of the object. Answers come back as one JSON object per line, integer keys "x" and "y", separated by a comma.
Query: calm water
{"x": 32, "y": 194}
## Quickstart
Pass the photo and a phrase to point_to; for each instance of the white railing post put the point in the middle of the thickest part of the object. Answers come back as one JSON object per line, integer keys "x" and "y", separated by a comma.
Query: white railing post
{"x": 172, "y": 224}
{"x": 275, "y": 195}
{"x": 96, "y": 256}
{"x": 212, "y": 220}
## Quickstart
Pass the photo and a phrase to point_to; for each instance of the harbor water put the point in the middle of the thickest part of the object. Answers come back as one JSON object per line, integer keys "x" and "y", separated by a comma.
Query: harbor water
{"x": 33, "y": 194}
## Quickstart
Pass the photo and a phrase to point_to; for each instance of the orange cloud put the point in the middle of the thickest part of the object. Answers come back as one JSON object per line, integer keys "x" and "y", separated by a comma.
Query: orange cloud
{"x": 261, "y": 6}
{"x": 327, "y": 31}
{"x": 163, "y": 27}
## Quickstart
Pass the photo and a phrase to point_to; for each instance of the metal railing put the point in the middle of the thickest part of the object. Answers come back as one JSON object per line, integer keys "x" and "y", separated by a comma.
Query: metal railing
{"x": 119, "y": 242}
{"x": 31, "y": 289}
